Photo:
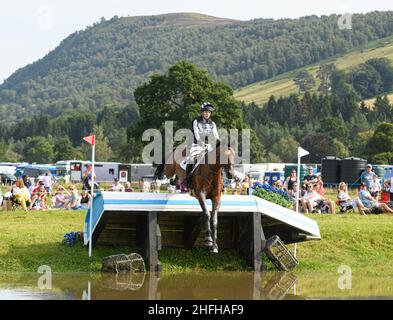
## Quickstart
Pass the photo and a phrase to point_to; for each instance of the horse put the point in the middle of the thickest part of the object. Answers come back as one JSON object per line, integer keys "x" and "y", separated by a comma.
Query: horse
{"x": 207, "y": 183}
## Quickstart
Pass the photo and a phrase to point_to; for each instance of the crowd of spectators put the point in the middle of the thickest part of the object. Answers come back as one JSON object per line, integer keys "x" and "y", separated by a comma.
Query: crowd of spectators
{"x": 37, "y": 195}
{"x": 311, "y": 194}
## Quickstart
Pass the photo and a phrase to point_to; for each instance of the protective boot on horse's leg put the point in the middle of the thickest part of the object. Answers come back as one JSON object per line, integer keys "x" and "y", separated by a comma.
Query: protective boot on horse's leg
{"x": 214, "y": 223}
{"x": 208, "y": 240}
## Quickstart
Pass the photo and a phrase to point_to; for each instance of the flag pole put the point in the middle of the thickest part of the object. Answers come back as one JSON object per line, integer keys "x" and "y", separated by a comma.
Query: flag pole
{"x": 92, "y": 198}
{"x": 297, "y": 193}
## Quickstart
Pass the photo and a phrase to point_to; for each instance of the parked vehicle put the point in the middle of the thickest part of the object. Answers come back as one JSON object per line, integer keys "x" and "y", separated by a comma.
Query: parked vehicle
{"x": 7, "y": 178}
{"x": 104, "y": 171}
{"x": 35, "y": 170}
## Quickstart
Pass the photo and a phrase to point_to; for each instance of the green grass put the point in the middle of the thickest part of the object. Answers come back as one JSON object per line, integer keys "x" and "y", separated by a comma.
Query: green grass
{"x": 29, "y": 240}
{"x": 283, "y": 84}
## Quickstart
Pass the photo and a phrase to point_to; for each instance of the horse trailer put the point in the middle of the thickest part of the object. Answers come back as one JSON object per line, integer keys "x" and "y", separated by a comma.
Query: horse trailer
{"x": 104, "y": 171}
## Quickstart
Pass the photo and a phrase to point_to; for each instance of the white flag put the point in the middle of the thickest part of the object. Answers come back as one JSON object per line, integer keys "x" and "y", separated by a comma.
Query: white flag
{"x": 301, "y": 152}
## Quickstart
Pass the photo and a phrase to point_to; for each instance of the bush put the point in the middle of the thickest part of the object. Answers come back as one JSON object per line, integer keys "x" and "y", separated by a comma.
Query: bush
{"x": 274, "y": 195}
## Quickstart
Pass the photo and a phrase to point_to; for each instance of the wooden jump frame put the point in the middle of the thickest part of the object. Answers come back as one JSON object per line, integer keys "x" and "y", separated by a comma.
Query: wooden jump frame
{"x": 176, "y": 221}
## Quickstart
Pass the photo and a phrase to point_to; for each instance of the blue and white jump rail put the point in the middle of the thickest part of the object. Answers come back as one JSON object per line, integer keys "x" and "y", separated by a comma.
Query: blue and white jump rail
{"x": 267, "y": 219}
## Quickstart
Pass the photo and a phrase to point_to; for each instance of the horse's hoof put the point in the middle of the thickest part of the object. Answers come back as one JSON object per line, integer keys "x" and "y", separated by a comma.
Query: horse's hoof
{"x": 208, "y": 242}
{"x": 208, "y": 245}
{"x": 215, "y": 250}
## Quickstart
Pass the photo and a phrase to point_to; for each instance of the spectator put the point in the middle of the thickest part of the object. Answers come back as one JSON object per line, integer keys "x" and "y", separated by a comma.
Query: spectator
{"x": 128, "y": 187}
{"x": 47, "y": 182}
{"x": 292, "y": 193}
{"x": 34, "y": 186}
{"x": 39, "y": 199}
{"x": 310, "y": 178}
{"x": 41, "y": 177}
{"x": 320, "y": 188}
{"x": 279, "y": 185}
{"x": 117, "y": 186}
{"x": 375, "y": 187}
{"x": 156, "y": 186}
{"x": 73, "y": 201}
{"x": 85, "y": 199}
{"x": 26, "y": 181}
{"x": 21, "y": 194}
{"x": 145, "y": 185}
{"x": 389, "y": 183}
{"x": 371, "y": 203}
{"x": 246, "y": 185}
{"x": 60, "y": 199}
{"x": 367, "y": 176}
{"x": 87, "y": 177}
{"x": 289, "y": 181}
{"x": 310, "y": 199}
{"x": 238, "y": 186}
{"x": 345, "y": 201}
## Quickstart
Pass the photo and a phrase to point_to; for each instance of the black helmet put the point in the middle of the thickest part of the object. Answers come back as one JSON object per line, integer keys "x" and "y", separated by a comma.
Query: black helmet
{"x": 207, "y": 106}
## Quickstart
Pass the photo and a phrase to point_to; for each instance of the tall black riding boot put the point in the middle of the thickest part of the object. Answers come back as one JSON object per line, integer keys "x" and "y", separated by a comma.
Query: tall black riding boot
{"x": 188, "y": 179}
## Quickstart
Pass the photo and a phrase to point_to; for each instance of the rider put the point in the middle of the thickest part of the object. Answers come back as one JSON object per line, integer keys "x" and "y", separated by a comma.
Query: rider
{"x": 204, "y": 130}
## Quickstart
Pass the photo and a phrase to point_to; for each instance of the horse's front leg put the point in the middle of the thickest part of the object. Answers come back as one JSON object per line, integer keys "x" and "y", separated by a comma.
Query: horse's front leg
{"x": 208, "y": 242}
{"x": 214, "y": 222}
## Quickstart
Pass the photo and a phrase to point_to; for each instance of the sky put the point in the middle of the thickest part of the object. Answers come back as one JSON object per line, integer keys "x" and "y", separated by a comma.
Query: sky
{"x": 29, "y": 29}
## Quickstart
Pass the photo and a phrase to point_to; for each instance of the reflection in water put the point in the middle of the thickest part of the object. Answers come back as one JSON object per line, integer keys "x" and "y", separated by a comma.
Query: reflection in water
{"x": 203, "y": 286}
{"x": 151, "y": 286}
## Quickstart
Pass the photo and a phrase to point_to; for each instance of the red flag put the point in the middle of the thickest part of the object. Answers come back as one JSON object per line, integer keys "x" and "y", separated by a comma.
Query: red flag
{"x": 90, "y": 139}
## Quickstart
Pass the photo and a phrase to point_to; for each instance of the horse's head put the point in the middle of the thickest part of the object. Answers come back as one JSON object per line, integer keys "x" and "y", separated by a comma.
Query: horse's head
{"x": 228, "y": 162}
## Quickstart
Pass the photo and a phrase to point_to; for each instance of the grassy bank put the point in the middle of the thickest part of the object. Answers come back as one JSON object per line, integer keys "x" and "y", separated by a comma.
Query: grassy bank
{"x": 28, "y": 240}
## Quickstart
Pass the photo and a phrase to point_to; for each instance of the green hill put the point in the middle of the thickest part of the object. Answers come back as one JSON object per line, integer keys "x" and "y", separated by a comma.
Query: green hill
{"x": 103, "y": 64}
{"x": 284, "y": 85}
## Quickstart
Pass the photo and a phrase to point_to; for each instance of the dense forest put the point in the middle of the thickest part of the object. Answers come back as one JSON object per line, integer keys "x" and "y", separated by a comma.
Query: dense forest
{"x": 102, "y": 65}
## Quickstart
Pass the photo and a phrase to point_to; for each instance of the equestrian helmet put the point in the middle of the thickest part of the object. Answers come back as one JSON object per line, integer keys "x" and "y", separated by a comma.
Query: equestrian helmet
{"x": 207, "y": 106}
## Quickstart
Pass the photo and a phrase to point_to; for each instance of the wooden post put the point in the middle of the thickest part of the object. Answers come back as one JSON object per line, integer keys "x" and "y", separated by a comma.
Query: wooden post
{"x": 256, "y": 242}
{"x": 152, "y": 248}
{"x": 153, "y": 293}
{"x": 256, "y": 292}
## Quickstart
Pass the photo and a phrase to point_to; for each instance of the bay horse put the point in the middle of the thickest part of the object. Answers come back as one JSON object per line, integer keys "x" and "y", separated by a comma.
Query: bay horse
{"x": 207, "y": 183}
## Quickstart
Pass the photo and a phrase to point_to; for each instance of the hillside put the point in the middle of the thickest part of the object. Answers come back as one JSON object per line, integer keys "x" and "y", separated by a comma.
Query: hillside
{"x": 102, "y": 65}
{"x": 284, "y": 85}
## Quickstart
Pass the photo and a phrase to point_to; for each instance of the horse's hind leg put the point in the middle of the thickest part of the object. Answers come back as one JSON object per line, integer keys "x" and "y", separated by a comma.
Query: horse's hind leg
{"x": 208, "y": 241}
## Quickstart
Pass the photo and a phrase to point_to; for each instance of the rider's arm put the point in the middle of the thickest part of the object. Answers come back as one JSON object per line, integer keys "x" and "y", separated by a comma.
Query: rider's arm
{"x": 195, "y": 130}
{"x": 215, "y": 132}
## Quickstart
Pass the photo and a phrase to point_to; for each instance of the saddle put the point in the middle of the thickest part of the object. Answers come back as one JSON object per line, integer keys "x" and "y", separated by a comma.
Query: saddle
{"x": 198, "y": 156}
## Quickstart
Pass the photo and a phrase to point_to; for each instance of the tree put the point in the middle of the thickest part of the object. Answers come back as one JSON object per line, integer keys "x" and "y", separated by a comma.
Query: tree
{"x": 177, "y": 96}
{"x": 385, "y": 69}
{"x": 334, "y": 127}
{"x": 286, "y": 149}
{"x": 39, "y": 149}
{"x": 381, "y": 142}
{"x": 360, "y": 140}
{"x": 367, "y": 81}
{"x": 64, "y": 149}
{"x": 319, "y": 145}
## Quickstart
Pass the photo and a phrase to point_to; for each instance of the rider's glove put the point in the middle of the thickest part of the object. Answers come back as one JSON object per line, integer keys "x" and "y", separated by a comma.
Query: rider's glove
{"x": 201, "y": 143}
